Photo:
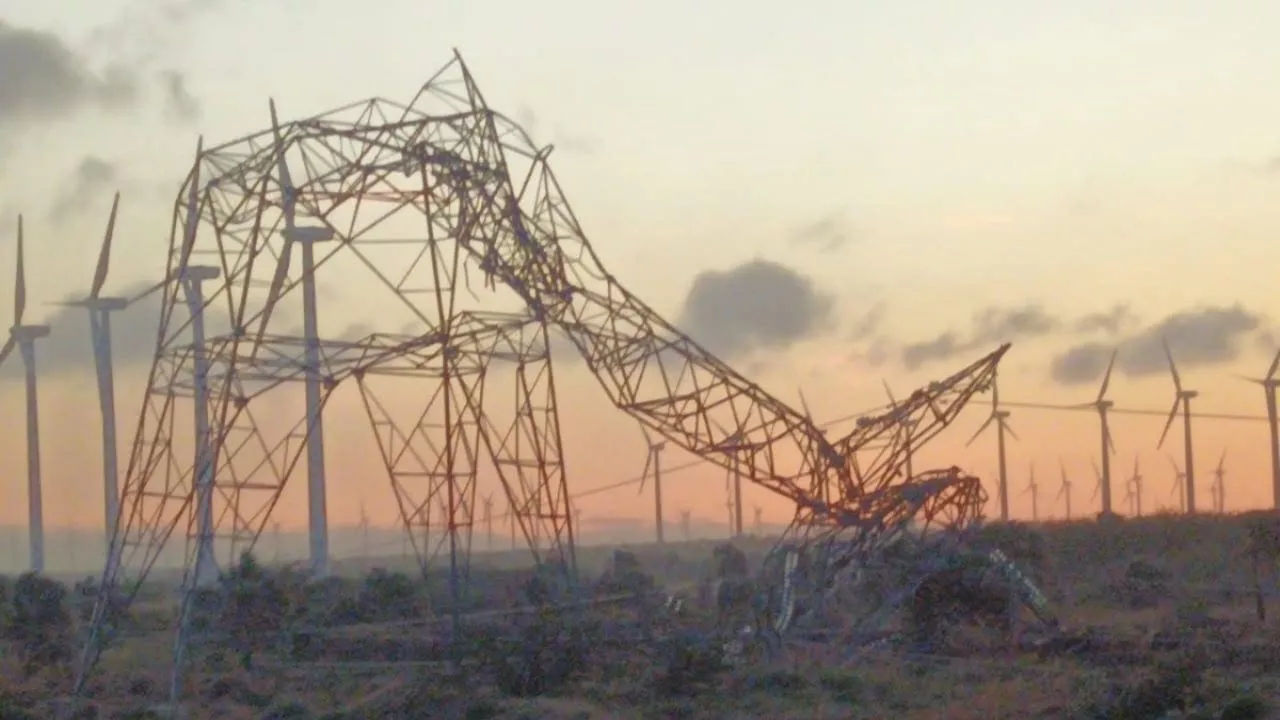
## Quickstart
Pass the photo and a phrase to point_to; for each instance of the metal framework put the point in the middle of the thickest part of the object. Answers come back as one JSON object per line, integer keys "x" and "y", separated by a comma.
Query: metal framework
{"x": 419, "y": 196}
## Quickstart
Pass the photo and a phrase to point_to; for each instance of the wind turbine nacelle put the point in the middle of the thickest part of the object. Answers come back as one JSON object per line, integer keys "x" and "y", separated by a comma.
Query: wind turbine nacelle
{"x": 28, "y": 333}
{"x": 196, "y": 273}
{"x": 313, "y": 234}
{"x": 109, "y": 304}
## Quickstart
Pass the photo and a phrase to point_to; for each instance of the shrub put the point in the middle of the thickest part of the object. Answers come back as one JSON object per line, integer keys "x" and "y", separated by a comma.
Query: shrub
{"x": 537, "y": 658}
{"x": 38, "y": 623}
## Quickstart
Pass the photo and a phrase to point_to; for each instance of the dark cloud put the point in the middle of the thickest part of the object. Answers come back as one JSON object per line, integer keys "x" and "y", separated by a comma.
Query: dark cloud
{"x": 759, "y": 305}
{"x": 180, "y": 104}
{"x": 92, "y": 179}
{"x": 991, "y": 326}
{"x": 1199, "y": 337}
{"x": 45, "y": 79}
{"x": 827, "y": 234}
{"x": 1110, "y": 322}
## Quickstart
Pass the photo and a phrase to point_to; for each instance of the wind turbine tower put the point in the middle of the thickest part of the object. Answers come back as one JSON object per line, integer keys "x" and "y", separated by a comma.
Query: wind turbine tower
{"x": 308, "y": 237}
{"x": 759, "y": 520}
{"x": 1064, "y": 490}
{"x": 488, "y": 521}
{"x": 1269, "y": 383}
{"x": 100, "y": 309}
{"x": 24, "y": 337}
{"x": 364, "y": 533}
{"x": 686, "y": 522}
{"x": 654, "y": 461}
{"x": 1182, "y": 401}
{"x": 1001, "y": 420}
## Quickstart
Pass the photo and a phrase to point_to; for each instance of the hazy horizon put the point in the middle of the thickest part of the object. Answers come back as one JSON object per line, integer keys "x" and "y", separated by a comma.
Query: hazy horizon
{"x": 825, "y": 199}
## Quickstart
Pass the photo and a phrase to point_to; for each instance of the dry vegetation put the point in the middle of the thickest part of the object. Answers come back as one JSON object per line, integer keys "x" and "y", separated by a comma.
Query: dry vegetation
{"x": 1161, "y": 611}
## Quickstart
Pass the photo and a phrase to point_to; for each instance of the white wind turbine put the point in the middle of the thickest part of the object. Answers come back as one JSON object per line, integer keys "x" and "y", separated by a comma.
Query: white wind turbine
{"x": 1097, "y": 485}
{"x": 1001, "y": 420}
{"x": 1182, "y": 401}
{"x": 1269, "y": 383}
{"x": 654, "y": 460}
{"x": 1179, "y": 484}
{"x": 308, "y": 237}
{"x": 24, "y": 337}
{"x": 1135, "y": 489}
{"x": 100, "y": 309}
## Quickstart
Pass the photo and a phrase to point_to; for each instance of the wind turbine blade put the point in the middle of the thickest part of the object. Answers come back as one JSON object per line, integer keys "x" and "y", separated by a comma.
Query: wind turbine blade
{"x": 995, "y": 393}
{"x": 193, "y": 208}
{"x": 1222, "y": 461}
{"x": 644, "y": 474}
{"x": 1009, "y": 430}
{"x": 104, "y": 255}
{"x": 1173, "y": 414}
{"x": 1173, "y": 367}
{"x": 286, "y": 247}
{"x": 1111, "y": 443}
{"x": 984, "y": 425}
{"x": 1063, "y": 467}
{"x": 1096, "y": 472}
{"x": 648, "y": 441}
{"x": 1275, "y": 367}
{"x": 20, "y": 285}
{"x": 1106, "y": 377}
{"x": 892, "y": 401}
{"x": 8, "y": 348}
{"x": 804, "y": 404}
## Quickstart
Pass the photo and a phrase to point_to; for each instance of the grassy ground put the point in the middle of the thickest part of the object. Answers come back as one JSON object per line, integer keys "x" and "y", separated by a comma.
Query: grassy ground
{"x": 1163, "y": 608}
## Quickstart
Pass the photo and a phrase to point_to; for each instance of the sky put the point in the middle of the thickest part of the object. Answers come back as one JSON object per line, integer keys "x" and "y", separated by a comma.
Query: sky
{"x": 827, "y": 198}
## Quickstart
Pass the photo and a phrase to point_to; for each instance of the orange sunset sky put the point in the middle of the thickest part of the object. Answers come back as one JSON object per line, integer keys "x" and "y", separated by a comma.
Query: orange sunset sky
{"x": 826, "y": 198}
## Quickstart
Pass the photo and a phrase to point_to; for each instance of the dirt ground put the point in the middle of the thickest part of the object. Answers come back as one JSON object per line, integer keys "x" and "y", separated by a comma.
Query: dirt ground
{"x": 1162, "y": 612}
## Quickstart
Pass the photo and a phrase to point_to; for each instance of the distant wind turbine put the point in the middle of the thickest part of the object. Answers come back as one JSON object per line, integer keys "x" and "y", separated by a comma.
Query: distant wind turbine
{"x": 1182, "y": 401}
{"x": 654, "y": 460}
{"x": 1102, "y": 405}
{"x": 24, "y": 337}
{"x": 1179, "y": 484}
{"x": 1269, "y": 383}
{"x": 1064, "y": 490}
{"x": 1135, "y": 488}
{"x": 1001, "y": 420}
{"x": 1219, "y": 487}
{"x": 685, "y": 524}
{"x": 1034, "y": 490}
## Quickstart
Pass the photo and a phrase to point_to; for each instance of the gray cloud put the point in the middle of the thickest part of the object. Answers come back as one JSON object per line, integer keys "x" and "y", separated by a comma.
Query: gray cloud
{"x": 92, "y": 178}
{"x": 988, "y": 327}
{"x": 1110, "y": 322}
{"x": 826, "y": 234}
{"x": 45, "y": 79}
{"x": 1199, "y": 337}
{"x": 759, "y": 305}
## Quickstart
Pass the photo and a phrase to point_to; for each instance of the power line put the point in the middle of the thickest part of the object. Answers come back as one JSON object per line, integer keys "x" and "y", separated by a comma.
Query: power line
{"x": 1131, "y": 411}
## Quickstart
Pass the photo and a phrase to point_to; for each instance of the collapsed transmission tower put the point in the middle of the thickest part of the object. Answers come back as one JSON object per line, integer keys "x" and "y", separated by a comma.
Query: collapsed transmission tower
{"x": 420, "y": 196}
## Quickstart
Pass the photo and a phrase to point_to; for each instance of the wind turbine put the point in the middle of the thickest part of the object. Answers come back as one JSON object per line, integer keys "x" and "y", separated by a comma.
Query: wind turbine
{"x": 308, "y": 238}
{"x": 1001, "y": 420}
{"x": 1097, "y": 485}
{"x": 654, "y": 460}
{"x": 1218, "y": 489}
{"x": 364, "y": 533}
{"x": 1102, "y": 405}
{"x": 24, "y": 337}
{"x": 759, "y": 520}
{"x": 686, "y": 519}
{"x": 100, "y": 309}
{"x": 1179, "y": 484}
{"x": 488, "y": 521}
{"x": 1064, "y": 490}
{"x": 1034, "y": 490}
{"x": 1269, "y": 383}
{"x": 1135, "y": 488}
{"x": 1182, "y": 400}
